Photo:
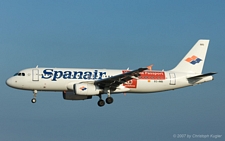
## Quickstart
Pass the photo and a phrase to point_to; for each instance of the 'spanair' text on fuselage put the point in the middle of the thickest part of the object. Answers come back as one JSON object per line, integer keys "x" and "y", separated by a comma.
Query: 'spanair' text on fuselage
{"x": 56, "y": 74}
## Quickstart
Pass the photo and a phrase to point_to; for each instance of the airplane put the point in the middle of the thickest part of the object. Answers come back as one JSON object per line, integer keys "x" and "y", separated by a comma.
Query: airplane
{"x": 82, "y": 84}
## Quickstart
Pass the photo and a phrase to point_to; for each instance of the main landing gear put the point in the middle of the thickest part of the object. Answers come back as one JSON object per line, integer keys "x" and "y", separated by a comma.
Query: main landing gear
{"x": 108, "y": 100}
{"x": 33, "y": 100}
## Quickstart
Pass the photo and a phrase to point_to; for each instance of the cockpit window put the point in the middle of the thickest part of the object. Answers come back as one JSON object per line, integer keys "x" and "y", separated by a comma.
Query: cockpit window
{"x": 19, "y": 74}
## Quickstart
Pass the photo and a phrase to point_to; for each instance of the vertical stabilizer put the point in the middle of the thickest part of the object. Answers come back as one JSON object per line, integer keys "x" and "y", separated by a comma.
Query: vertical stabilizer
{"x": 194, "y": 60}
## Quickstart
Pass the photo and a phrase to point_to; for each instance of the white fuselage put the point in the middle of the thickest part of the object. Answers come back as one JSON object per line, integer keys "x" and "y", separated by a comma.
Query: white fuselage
{"x": 81, "y": 84}
{"x": 63, "y": 79}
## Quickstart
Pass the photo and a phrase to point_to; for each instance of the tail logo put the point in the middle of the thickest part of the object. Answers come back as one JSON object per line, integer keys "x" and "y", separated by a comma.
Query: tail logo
{"x": 83, "y": 88}
{"x": 193, "y": 60}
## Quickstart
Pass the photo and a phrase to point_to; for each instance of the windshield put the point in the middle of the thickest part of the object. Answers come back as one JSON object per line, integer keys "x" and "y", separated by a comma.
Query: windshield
{"x": 15, "y": 74}
{"x": 19, "y": 74}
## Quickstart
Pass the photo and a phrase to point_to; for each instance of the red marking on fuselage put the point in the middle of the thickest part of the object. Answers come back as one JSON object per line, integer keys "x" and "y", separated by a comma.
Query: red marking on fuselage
{"x": 146, "y": 75}
{"x": 131, "y": 83}
{"x": 152, "y": 75}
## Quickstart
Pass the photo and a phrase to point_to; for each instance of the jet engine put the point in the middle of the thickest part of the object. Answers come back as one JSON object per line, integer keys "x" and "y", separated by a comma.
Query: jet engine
{"x": 69, "y": 95}
{"x": 86, "y": 89}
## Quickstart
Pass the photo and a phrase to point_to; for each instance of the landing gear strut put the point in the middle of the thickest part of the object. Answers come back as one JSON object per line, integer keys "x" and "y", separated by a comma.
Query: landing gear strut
{"x": 33, "y": 100}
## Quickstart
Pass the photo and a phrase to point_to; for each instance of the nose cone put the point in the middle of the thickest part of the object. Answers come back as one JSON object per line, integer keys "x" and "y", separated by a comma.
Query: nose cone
{"x": 9, "y": 82}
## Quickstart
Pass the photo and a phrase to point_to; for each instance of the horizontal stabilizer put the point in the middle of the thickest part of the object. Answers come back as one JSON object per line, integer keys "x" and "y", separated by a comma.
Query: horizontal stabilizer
{"x": 202, "y": 75}
{"x": 201, "y": 78}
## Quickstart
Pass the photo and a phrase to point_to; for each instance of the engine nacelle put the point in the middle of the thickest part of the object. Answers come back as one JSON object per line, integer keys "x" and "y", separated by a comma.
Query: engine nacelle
{"x": 86, "y": 89}
{"x": 69, "y": 95}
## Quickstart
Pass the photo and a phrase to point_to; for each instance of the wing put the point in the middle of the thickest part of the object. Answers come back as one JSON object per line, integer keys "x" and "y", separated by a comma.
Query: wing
{"x": 115, "y": 81}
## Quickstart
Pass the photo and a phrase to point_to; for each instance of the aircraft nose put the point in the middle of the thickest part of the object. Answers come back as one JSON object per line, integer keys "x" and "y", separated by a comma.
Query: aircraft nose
{"x": 9, "y": 82}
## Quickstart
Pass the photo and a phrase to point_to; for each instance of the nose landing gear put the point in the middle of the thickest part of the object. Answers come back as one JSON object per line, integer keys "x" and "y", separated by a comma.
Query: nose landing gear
{"x": 34, "y": 100}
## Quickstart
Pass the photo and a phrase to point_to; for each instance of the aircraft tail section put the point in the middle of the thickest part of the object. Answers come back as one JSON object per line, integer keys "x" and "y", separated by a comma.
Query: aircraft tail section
{"x": 194, "y": 60}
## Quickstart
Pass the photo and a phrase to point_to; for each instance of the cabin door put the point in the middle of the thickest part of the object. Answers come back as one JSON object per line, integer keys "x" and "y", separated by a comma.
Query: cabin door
{"x": 35, "y": 75}
{"x": 172, "y": 79}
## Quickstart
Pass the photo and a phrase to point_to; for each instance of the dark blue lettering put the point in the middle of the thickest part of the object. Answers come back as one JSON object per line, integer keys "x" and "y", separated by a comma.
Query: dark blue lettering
{"x": 57, "y": 75}
{"x": 67, "y": 74}
{"x": 46, "y": 72}
{"x": 79, "y": 74}
{"x": 95, "y": 74}
{"x": 87, "y": 75}
{"x": 101, "y": 74}
{"x": 50, "y": 73}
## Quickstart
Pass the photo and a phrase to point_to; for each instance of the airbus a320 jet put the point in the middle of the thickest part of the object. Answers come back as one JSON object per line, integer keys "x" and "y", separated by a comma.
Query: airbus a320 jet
{"x": 82, "y": 84}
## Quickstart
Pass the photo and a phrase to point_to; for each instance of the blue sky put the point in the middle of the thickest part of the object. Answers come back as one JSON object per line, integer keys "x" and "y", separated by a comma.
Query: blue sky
{"x": 111, "y": 34}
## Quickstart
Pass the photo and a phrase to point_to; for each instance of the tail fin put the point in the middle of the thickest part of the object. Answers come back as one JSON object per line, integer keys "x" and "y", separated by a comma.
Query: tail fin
{"x": 194, "y": 60}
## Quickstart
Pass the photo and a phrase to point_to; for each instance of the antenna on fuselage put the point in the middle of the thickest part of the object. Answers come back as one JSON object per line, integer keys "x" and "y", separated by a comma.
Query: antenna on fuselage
{"x": 37, "y": 66}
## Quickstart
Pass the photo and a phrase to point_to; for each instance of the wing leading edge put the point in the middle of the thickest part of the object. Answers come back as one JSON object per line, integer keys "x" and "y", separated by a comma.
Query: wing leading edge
{"x": 113, "y": 82}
